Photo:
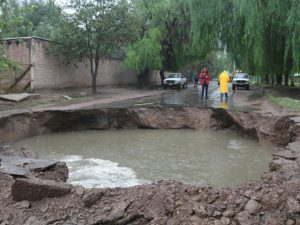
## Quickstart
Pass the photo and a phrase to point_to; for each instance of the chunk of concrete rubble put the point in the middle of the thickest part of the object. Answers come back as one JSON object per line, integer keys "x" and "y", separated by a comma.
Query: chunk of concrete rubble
{"x": 18, "y": 97}
{"x": 285, "y": 154}
{"x": 37, "y": 189}
{"x": 296, "y": 119}
{"x": 252, "y": 207}
{"x": 32, "y": 220}
{"x": 22, "y": 205}
{"x": 294, "y": 146}
{"x": 92, "y": 197}
{"x": 244, "y": 218}
{"x": 28, "y": 163}
{"x": 8, "y": 168}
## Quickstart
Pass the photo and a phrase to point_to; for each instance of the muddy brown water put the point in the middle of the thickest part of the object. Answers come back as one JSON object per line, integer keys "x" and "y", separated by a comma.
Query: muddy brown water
{"x": 123, "y": 158}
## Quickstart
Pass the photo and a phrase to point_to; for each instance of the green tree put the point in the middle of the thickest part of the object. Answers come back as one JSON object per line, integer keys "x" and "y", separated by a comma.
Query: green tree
{"x": 19, "y": 19}
{"x": 260, "y": 36}
{"x": 43, "y": 15}
{"x": 293, "y": 36}
{"x": 172, "y": 19}
{"x": 96, "y": 30}
{"x": 28, "y": 18}
{"x": 145, "y": 55}
{"x": 8, "y": 26}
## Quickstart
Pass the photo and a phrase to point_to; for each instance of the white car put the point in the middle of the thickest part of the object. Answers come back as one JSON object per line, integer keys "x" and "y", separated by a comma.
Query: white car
{"x": 175, "y": 80}
{"x": 241, "y": 80}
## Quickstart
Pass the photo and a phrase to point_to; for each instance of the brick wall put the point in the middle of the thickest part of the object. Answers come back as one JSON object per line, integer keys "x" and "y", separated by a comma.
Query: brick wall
{"x": 48, "y": 72}
{"x": 19, "y": 52}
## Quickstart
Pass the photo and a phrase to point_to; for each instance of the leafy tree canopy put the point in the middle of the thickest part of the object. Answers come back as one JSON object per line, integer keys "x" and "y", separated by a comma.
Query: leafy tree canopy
{"x": 95, "y": 30}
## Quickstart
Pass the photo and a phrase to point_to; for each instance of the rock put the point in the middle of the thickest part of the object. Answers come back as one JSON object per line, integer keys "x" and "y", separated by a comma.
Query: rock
{"x": 241, "y": 202}
{"x": 115, "y": 214}
{"x": 38, "y": 165}
{"x": 225, "y": 221}
{"x": 248, "y": 193}
{"x": 201, "y": 211}
{"x": 270, "y": 220}
{"x": 285, "y": 154}
{"x": 37, "y": 189}
{"x": 252, "y": 207}
{"x": 275, "y": 165}
{"x": 228, "y": 213}
{"x": 32, "y": 220}
{"x": 293, "y": 205}
{"x": 296, "y": 119}
{"x": 243, "y": 218}
{"x": 271, "y": 200}
{"x": 92, "y": 197}
{"x": 217, "y": 222}
{"x": 8, "y": 168}
{"x": 217, "y": 214}
{"x": 290, "y": 222}
{"x": 57, "y": 172}
{"x": 79, "y": 190}
{"x": 22, "y": 205}
{"x": 294, "y": 146}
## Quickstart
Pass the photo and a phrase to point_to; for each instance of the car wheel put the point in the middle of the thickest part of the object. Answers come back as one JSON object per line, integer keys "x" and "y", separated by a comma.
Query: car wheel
{"x": 165, "y": 87}
{"x": 233, "y": 87}
{"x": 179, "y": 86}
{"x": 248, "y": 87}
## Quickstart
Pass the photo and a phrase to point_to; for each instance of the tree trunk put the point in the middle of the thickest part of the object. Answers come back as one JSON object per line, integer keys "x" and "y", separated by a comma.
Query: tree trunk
{"x": 94, "y": 84}
{"x": 162, "y": 77}
{"x": 141, "y": 78}
{"x": 286, "y": 79}
{"x": 140, "y": 81}
{"x": 94, "y": 73}
{"x": 267, "y": 80}
{"x": 272, "y": 79}
{"x": 279, "y": 79}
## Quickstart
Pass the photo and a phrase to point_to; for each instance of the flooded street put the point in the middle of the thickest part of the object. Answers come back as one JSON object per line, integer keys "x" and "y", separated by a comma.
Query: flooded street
{"x": 186, "y": 97}
{"x": 122, "y": 158}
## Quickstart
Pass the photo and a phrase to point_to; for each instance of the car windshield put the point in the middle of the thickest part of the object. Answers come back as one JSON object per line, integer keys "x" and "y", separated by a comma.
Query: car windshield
{"x": 174, "y": 75}
{"x": 241, "y": 75}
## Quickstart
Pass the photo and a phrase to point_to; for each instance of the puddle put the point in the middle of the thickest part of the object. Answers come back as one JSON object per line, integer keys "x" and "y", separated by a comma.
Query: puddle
{"x": 123, "y": 158}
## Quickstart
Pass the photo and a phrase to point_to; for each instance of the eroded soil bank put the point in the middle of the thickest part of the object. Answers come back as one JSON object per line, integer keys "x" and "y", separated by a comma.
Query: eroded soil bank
{"x": 42, "y": 196}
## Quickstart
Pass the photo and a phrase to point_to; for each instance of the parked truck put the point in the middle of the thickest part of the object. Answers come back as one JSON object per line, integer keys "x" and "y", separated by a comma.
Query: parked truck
{"x": 175, "y": 80}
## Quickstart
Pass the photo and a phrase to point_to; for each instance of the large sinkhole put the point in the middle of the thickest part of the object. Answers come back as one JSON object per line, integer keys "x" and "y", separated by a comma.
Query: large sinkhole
{"x": 128, "y": 157}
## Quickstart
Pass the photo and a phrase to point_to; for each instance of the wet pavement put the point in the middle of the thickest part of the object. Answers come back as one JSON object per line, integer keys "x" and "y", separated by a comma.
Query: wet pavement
{"x": 186, "y": 97}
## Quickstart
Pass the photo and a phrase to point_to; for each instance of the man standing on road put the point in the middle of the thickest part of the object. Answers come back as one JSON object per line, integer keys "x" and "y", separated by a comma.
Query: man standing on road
{"x": 204, "y": 80}
{"x": 223, "y": 81}
{"x": 195, "y": 79}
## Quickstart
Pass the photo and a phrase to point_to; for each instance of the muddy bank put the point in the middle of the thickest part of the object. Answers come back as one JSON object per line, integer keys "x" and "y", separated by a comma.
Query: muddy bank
{"x": 276, "y": 129}
{"x": 37, "y": 199}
